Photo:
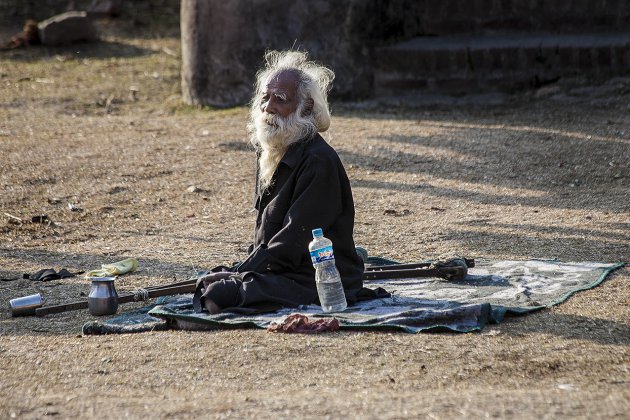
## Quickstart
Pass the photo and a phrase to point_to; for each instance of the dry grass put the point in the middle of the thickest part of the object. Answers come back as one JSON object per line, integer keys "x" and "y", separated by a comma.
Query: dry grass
{"x": 539, "y": 177}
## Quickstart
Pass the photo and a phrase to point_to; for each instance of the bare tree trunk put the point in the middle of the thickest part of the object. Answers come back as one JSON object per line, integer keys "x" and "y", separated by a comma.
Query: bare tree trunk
{"x": 194, "y": 76}
{"x": 213, "y": 39}
{"x": 223, "y": 42}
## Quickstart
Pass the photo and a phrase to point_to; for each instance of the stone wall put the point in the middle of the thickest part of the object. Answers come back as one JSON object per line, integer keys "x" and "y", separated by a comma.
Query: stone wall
{"x": 223, "y": 41}
{"x": 448, "y": 17}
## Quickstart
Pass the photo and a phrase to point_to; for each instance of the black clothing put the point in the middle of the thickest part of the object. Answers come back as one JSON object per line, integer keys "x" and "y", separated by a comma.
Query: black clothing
{"x": 310, "y": 190}
{"x": 46, "y": 274}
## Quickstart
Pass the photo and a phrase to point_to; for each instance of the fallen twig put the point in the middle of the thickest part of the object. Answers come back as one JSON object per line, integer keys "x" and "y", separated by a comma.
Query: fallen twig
{"x": 14, "y": 217}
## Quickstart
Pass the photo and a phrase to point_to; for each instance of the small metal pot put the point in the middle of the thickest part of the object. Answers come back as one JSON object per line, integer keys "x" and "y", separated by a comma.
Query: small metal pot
{"x": 103, "y": 299}
{"x": 26, "y": 305}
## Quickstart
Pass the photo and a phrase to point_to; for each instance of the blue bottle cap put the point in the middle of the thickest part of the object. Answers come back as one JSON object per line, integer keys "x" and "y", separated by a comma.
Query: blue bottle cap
{"x": 318, "y": 233}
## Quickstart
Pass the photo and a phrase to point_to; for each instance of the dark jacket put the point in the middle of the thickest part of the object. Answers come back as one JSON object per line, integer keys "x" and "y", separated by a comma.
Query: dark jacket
{"x": 310, "y": 190}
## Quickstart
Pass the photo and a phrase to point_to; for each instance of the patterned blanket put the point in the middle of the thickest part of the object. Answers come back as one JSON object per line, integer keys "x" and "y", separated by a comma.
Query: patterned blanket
{"x": 491, "y": 290}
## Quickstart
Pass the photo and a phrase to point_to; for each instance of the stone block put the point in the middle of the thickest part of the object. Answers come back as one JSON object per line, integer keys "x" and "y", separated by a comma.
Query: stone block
{"x": 460, "y": 60}
{"x": 585, "y": 59}
{"x": 549, "y": 57}
{"x": 622, "y": 55}
{"x": 505, "y": 58}
{"x": 393, "y": 59}
{"x": 476, "y": 60}
{"x": 567, "y": 57}
{"x": 442, "y": 60}
{"x": 66, "y": 28}
{"x": 457, "y": 85}
{"x": 603, "y": 57}
{"x": 402, "y": 84}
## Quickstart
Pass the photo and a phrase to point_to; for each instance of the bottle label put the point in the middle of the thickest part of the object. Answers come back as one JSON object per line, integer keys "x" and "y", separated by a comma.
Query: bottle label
{"x": 322, "y": 254}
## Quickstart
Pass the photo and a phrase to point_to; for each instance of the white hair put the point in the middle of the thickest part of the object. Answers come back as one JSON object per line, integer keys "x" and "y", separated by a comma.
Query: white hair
{"x": 315, "y": 81}
{"x": 272, "y": 134}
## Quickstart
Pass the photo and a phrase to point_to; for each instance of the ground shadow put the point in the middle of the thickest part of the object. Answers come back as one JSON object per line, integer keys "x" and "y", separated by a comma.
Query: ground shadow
{"x": 78, "y": 51}
{"x": 531, "y": 245}
{"x": 554, "y": 198}
{"x": 537, "y": 166}
{"x": 573, "y": 327}
{"x": 559, "y": 231}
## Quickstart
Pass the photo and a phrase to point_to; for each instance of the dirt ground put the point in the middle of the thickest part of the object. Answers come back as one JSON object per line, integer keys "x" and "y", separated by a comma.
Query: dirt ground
{"x": 542, "y": 174}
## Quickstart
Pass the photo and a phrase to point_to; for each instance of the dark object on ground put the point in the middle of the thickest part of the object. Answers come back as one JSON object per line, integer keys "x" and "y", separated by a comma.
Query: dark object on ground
{"x": 41, "y": 219}
{"x": 138, "y": 295}
{"x": 66, "y": 28}
{"x": 28, "y": 36}
{"x": 46, "y": 274}
{"x": 298, "y": 323}
{"x": 451, "y": 268}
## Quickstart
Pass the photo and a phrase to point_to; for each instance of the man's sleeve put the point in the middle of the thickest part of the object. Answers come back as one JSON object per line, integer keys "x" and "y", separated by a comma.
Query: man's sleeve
{"x": 316, "y": 203}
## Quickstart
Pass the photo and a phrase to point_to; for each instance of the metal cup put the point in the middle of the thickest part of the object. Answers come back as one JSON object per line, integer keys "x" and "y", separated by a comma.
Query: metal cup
{"x": 103, "y": 299}
{"x": 24, "y": 306}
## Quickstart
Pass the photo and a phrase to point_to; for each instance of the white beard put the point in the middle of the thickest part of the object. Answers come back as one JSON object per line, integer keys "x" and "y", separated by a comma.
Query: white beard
{"x": 273, "y": 135}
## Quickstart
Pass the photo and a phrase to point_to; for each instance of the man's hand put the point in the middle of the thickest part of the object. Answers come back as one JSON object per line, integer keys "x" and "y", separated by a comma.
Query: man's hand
{"x": 208, "y": 279}
{"x": 200, "y": 302}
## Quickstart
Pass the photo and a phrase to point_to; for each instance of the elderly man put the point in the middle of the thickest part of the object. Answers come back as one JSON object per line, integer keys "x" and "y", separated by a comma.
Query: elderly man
{"x": 300, "y": 185}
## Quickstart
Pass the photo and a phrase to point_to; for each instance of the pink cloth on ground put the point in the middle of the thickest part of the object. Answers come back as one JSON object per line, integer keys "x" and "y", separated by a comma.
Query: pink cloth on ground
{"x": 298, "y": 323}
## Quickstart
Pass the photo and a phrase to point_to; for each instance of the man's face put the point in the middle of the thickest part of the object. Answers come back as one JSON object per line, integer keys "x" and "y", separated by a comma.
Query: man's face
{"x": 280, "y": 117}
{"x": 280, "y": 97}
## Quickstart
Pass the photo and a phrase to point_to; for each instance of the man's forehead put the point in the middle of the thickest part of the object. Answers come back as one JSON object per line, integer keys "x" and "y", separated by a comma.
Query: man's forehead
{"x": 285, "y": 81}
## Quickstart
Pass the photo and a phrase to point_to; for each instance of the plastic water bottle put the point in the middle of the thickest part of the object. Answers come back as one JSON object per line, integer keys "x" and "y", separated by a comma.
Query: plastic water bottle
{"x": 329, "y": 287}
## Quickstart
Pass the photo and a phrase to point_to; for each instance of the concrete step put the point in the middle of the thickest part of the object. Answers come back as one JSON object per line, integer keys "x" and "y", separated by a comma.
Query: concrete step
{"x": 507, "y": 62}
{"x": 448, "y": 17}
